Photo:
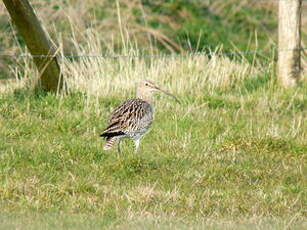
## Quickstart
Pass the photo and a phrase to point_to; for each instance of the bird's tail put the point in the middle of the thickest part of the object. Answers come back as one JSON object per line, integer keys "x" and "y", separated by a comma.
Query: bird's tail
{"x": 109, "y": 144}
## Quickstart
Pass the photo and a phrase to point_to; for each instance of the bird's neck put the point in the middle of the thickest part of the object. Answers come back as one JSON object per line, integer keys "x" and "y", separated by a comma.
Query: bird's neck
{"x": 144, "y": 95}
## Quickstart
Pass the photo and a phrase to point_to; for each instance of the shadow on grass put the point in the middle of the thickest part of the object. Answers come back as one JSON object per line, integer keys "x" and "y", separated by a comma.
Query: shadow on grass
{"x": 111, "y": 221}
{"x": 250, "y": 85}
{"x": 216, "y": 102}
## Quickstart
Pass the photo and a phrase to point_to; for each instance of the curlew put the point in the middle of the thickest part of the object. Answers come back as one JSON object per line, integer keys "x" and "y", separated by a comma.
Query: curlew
{"x": 133, "y": 118}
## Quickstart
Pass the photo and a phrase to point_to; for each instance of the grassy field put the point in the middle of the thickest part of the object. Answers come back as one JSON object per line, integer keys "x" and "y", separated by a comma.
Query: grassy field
{"x": 231, "y": 155}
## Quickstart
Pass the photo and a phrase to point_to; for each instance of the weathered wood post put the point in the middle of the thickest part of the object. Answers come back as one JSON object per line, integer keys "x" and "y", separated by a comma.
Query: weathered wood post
{"x": 38, "y": 43}
{"x": 289, "y": 42}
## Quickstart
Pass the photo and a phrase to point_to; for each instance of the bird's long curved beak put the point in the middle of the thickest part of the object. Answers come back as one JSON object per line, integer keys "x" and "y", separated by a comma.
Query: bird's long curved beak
{"x": 168, "y": 94}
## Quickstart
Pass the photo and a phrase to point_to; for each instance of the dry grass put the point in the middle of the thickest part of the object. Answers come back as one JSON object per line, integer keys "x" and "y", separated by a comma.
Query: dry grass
{"x": 127, "y": 22}
{"x": 98, "y": 76}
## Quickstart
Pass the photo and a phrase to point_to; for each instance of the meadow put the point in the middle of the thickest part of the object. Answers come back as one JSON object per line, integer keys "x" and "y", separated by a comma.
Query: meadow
{"x": 231, "y": 155}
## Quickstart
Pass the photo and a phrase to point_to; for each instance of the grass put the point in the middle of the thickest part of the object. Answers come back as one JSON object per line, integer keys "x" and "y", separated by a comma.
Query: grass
{"x": 231, "y": 155}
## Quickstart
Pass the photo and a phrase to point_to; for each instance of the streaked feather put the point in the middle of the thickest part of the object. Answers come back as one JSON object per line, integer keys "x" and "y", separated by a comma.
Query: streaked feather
{"x": 129, "y": 118}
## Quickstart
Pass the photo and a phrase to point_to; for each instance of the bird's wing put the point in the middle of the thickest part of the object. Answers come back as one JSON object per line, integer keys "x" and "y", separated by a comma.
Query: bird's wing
{"x": 125, "y": 117}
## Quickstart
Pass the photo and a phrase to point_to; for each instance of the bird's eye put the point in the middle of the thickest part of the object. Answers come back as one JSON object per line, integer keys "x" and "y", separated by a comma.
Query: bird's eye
{"x": 146, "y": 84}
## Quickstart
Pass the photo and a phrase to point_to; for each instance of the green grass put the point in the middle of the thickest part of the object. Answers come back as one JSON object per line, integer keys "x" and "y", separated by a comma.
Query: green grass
{"x": 233, "y": 160}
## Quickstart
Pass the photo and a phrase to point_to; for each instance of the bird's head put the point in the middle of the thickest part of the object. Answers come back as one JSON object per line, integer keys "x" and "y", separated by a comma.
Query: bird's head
{"x": 146, "y": 88}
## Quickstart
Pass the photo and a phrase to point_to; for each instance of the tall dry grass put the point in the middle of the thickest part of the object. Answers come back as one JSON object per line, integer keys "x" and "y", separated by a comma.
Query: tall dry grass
{"x": 111, "y": 21}
{"x": 115, "y": 74}
{"x": 183, "y": 74}
{"x": 76, "y": 27}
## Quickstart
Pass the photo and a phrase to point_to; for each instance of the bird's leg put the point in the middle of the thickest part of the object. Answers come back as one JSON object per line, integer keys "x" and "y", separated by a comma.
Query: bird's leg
{"x": 137, "y": 144}
{"x": 118, "y": 146}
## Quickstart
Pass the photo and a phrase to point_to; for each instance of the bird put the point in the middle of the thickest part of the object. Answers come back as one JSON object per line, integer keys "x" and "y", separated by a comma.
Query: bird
{"x": 133, "y": 118}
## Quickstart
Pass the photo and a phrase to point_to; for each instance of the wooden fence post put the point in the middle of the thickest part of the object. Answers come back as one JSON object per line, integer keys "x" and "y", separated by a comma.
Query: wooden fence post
{"x": 38, "y": 43}
{"x": 289, "y": 42}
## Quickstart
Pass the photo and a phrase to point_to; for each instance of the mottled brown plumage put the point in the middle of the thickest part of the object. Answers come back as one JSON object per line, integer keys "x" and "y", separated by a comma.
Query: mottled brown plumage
{"x": 132, "y": 118}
